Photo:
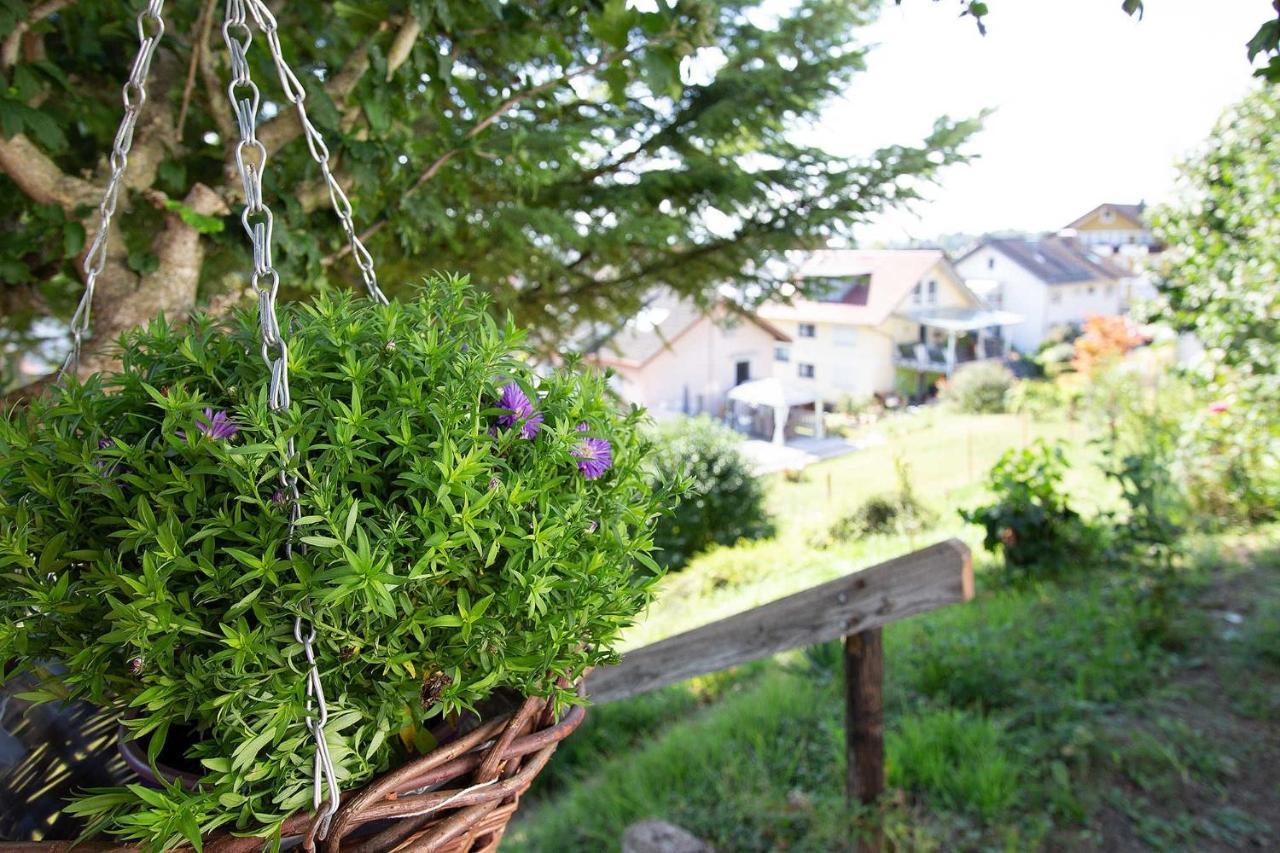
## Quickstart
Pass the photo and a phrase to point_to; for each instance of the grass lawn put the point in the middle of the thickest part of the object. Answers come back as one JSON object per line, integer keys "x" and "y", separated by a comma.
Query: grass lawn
{"x": 948, "y": 456}
{"x": 1098, "y": 713}
{"x": 1075, "y": 716}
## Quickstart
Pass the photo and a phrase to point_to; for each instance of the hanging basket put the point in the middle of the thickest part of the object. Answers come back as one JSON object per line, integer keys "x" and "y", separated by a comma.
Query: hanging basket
{"x": 458, "y": 798}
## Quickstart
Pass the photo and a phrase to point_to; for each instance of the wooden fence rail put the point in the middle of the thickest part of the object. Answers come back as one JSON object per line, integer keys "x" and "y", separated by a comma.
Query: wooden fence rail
{"x": 854, "y": 607}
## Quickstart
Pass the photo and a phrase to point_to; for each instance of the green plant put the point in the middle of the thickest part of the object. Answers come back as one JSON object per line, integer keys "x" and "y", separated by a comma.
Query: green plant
{"x": 465, "y": 527}
{"x": 979, "y": 388}
{"x": 898, "y": 512}
{"x": 1030, "y": 520}
{"x": 957, "y": 757}
{"x": 725, "y": 501}
{"x": 1218, "y": 282}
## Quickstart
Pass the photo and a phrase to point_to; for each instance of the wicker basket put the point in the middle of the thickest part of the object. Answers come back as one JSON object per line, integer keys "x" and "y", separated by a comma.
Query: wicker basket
{"x": 410, "y": 809}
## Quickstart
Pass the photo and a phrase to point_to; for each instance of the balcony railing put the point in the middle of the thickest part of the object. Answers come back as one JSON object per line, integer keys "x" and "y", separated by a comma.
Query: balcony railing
{"x": 929, "y": 358}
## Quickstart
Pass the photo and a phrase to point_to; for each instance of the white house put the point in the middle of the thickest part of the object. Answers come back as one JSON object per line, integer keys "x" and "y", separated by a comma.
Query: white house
{"x": 1051, "y": 281}
{"x": 872, "y": 321}
{"x": 674, "y": 358}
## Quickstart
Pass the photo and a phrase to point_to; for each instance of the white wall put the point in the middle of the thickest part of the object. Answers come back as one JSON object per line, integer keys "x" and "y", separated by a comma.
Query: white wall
{"x": 699, "y": 367}
{"x": 1020, "y": 292}
{"x": 848, "y": 361}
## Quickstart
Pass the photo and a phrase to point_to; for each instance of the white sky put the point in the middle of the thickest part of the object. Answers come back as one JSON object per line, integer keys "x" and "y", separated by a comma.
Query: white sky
{"x": 1091, "y": 105}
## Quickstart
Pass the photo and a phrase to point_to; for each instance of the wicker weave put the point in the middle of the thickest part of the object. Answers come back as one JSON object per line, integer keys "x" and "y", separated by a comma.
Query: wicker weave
{"x": 486, "y": 771}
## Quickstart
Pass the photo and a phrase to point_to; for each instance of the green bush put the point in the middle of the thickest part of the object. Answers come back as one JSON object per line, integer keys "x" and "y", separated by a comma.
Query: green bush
{"x": 725, "y": 501}
{"x": 1029, "y": 519}
{"x": 979, "y": 388}
{"x": 897, "y": 512}
{"x": 467, "y": 526}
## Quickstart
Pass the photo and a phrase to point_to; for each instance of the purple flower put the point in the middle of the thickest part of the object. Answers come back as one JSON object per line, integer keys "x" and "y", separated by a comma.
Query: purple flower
{"x": 593, "y": 526}
{"x": 217, "y": 425}
{"x": 522, "y": 412}
{"x": 104, "y": 443}
{"x": 582, "y": 427}
{"x": 595, "y": 456}
{"x": 277, "y": 497}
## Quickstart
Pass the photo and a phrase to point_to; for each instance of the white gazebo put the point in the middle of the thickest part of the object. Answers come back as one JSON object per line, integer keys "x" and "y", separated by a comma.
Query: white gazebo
{"x": 780, "y": 398}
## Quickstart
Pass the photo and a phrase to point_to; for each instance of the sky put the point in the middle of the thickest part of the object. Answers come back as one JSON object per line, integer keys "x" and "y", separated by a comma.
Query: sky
{"x": 1090, "y": 105}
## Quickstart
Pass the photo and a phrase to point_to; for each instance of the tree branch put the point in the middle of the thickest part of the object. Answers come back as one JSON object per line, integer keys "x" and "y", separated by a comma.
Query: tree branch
{"x": 13, "y": 42}
{"x": 40, "y": 178}
{"x": 204, "y": 24}
{"x": 284, "y": 128}
{"x": 502, "y": 109}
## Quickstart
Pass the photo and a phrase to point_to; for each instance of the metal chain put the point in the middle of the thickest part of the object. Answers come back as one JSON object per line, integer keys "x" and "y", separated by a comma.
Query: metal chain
{"x": 251, "y": 159}
{"x": 297, "y": 95}
{"x": 134, "y": 95}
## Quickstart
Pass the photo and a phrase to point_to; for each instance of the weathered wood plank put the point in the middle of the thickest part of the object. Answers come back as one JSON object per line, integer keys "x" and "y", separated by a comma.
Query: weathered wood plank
{"x": 864, "y": 714}
{"x": 923, "y": 580}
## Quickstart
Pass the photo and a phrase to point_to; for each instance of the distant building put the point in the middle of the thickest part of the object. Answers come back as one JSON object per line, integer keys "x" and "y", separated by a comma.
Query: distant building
{"x": 1110, "y": 226}
{"x": 1051, "y": 281}
{"x": 674, "y": 358}
{"x": 868, "y": 317}
{"x": 1117, "y": 231}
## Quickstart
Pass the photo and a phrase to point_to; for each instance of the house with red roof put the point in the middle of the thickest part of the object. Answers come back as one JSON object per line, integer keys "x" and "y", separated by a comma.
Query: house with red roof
{"x": 869, "y": 321}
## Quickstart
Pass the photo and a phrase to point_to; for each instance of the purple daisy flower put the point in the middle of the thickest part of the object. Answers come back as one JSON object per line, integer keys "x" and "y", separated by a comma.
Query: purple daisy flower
{"x": 595, "y": 456}
{"x": 522, "y": 412}
{"x": 217, "y": 425}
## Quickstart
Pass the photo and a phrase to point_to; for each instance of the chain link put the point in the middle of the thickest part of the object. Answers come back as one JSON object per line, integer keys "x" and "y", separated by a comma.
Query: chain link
{"x": 150, "y": 25}
{"x": 297, "y": 95}
{"x": 251, "y": 159}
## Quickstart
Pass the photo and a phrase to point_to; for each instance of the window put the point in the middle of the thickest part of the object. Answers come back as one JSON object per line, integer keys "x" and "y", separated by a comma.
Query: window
{"x": 991, "y": 263}
{"x": 782, "y": 353}
{"x": 741, "y": 372}
{"x": 1107, "y": 216}
{"x": 1056, "y": 297}
{"x": 804, "y": 371}
{"x": 932, "y": 294}
{"x": 807, "y": 330}
{"x": 1092, "y": 290}
{"x": 844, "y": 336}
{"x": 916, "y": 297}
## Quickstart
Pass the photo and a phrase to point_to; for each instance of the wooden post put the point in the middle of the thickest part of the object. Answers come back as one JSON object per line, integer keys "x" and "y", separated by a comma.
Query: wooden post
{"x": 864, "y": 725}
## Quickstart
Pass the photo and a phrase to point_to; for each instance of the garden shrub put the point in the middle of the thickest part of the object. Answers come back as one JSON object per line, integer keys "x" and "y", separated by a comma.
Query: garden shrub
{"x": 897, "y": 512}
{"x": 468, "y": 527}
{"x": 725, "y": 501}
{"x": 979, "y": 388}
{"x": 1030, "y": 520}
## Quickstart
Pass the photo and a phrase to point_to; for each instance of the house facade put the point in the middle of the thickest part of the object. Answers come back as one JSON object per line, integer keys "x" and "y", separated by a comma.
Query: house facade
{"x": 1050, "y": 281}
{"x": 1110, "y": 226}
{"x": 1118, "y": 232}
{"x": 673, "y": 358}
{"x": 868, "y": 316}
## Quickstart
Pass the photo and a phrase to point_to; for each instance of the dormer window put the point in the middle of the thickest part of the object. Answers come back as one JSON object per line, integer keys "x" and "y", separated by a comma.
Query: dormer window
{"x": 931, "y": 295}
{"x": 991, "y": 263}
{"x": 1108, "y": 216}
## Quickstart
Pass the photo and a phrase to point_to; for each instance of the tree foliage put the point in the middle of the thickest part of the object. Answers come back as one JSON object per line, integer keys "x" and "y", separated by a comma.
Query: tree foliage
{"x": 447, "y": 547}
{"x": 566, "y": 154}
{"x": 1219, "y": 282}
